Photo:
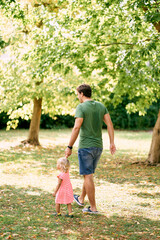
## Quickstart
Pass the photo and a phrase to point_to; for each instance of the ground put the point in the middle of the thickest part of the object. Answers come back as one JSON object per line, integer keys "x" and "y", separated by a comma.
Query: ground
{"x": 128, "y": 195}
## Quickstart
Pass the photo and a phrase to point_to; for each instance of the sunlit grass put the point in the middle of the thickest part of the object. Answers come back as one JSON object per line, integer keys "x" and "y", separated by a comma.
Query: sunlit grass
{"x": 26, "y": 214}
{"x": 127, "y": 194}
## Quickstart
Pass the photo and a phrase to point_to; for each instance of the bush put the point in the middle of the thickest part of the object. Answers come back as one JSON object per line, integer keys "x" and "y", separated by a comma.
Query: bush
{"x": 3, "y": 120}
{"x": 59, "y": 121}
{"x": 120, "y": 118}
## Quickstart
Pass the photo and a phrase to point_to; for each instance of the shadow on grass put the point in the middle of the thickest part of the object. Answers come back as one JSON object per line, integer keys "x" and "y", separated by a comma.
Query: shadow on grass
{"x": 118, "y": 169}
{"x": 148, "y": 195}
{"x": 26, "y": 214}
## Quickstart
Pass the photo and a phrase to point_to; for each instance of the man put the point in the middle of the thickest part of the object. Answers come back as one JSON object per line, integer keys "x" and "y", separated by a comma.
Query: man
{"x": 89, "y": 119}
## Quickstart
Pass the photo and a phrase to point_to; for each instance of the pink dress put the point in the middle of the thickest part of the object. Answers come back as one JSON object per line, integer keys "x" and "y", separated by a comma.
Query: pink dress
{"x": 65, "y": 192}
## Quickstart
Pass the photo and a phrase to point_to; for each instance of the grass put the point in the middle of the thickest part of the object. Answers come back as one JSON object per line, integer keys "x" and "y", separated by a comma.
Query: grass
{"x": 128, "y": 195}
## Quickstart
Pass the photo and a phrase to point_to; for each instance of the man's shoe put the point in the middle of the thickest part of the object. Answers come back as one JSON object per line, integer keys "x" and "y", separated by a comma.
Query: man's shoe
{"x": 77, "y": 201}
{"x": 89, "y": 211}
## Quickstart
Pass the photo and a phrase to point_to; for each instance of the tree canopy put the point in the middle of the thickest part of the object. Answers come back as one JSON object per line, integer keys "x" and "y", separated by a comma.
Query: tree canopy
{"x": 52, "y": 46}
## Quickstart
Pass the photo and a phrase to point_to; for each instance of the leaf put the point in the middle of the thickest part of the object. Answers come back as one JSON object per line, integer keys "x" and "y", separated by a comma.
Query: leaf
{"x": 9, "y": 237}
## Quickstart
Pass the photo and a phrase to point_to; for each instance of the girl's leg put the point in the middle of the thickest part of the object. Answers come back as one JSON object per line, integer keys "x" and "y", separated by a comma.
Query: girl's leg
{"x": 69, "y": 208}
{"x": 57, "y": 207}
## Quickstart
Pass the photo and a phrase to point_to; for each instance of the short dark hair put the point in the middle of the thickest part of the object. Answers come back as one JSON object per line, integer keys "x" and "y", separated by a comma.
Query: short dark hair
{"x": 86, "y": 89}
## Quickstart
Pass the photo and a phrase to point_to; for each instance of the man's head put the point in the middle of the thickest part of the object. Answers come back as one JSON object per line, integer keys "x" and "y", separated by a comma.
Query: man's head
{"x": 85, "y": 89}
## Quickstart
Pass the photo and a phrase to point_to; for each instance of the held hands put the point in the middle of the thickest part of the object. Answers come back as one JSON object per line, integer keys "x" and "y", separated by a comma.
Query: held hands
{"x": 68, "y": 152}
{"x": 112, "y": 148}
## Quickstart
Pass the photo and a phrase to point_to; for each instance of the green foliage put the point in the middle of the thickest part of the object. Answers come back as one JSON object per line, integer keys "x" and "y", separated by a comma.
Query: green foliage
{"x": 47, "y": 122}
{"x": 12, "y": 8}
{"x": 2, "y": 43}
{"x": 3, "y": 120}
{"x": 120, "y": 118}
{"x": 54, "y": 47}
{"x": 57, "y": 122}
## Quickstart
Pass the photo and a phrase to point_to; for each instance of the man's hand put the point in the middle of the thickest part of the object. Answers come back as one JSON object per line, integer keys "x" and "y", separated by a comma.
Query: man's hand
{"x": 68, "y": 152}
{"x": 112, "y": 148}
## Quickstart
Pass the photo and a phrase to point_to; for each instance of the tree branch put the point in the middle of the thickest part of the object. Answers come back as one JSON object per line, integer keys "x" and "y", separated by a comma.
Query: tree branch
{"x": 110, "y": 44}
{"x": 122, "y": 43}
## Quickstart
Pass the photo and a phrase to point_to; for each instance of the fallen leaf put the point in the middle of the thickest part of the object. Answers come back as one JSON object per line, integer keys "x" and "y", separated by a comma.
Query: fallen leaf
{"x": 9, "y": 237}
{"x": 15, "y": 235}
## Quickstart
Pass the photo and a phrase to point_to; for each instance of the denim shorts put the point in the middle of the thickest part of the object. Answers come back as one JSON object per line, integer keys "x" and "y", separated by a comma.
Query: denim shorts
{"x": 88, "y": 159}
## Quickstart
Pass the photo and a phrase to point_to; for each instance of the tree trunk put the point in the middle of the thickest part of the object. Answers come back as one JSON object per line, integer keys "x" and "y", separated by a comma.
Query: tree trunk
{"x": 33, "y": 137}
{"x": 154, "y": 153}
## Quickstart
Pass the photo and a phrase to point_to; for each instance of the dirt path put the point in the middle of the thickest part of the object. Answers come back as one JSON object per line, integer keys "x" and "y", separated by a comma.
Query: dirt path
{"x": 112, "y": 199}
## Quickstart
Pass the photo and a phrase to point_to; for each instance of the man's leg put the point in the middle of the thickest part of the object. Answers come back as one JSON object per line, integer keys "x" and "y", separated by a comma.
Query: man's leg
{"x": 83, "y": 194}
{"x": 89, "y": 187}
{"x": 88, "y": 159}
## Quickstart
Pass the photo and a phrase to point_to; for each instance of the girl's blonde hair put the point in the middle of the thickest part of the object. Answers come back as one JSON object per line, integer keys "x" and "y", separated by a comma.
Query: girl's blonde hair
{"x": 64, "y": 164}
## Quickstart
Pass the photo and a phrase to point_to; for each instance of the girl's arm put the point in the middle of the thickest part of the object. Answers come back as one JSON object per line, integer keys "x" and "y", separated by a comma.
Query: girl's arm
{"x": 57, "y": 187}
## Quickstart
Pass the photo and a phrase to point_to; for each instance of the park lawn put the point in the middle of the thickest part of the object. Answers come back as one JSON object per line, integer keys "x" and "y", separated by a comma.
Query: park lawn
{"x": 128, "y": 195}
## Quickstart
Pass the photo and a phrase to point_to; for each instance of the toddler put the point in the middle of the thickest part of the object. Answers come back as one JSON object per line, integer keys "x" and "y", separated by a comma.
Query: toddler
{"x": 63, "y": 193}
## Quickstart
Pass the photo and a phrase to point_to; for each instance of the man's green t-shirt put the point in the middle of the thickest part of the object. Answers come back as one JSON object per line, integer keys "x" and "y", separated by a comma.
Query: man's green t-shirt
{"x": 92, "y": 113}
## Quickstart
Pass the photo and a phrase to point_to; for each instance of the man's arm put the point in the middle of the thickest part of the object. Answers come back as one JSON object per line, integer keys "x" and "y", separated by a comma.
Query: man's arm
{"x": 110, "y": 129}
{"x": 74, "y": 135}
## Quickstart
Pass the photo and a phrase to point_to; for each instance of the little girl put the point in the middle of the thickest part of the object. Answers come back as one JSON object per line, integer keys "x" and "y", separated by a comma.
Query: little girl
{"x": 63, "y": 191}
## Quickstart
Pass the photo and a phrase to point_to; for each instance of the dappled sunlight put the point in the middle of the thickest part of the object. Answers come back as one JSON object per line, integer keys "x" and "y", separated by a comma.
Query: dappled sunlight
{"x": 8, "y": 145}
{"x": 12, "y": 138}
{"x": 124, "y": 191}
{"x": 121, "y": 200}
{"x": 48, "y": 138}
{"x": 111, "y": 198}
{"x": 125, "y": 141}
{"x": 32, "y": 209}
{"x": 48, "y": 48}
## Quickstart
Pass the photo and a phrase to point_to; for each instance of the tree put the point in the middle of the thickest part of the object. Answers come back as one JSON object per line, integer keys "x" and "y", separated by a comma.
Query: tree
{"x": 33, "y": 73}
{"x": 113, "y": 44}
{"x": 118, "y": 41}
{"x": 122, "y": 43}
